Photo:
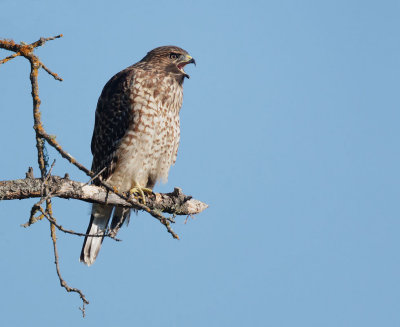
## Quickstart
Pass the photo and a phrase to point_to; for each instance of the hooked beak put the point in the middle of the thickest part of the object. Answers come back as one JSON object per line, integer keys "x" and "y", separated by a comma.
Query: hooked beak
{"x": 186, "y": 60}
{"x": 191, "y": 60}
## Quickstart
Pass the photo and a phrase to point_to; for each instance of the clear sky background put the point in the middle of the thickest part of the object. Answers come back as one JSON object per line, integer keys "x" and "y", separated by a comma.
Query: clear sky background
{"x": 289, "y": 131}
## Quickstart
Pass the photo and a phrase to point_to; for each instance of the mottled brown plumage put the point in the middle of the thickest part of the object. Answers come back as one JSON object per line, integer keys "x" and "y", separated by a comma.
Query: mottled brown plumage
{"x": 136, "y": 133}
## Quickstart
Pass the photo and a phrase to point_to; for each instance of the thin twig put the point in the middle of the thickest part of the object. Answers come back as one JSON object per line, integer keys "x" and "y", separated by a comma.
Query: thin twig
{"x": 35, "y": 208}
{"x": 3, "y": 61}
{"x": 58, "y": 78}
{"x": 43, "y": 40}
{"x": 95, "y": 176}
{"x": 49, "y": 172}
{"x": 63, "y": 283}
{"x": 53, "y": 221}
{"x": 52, "y": 141}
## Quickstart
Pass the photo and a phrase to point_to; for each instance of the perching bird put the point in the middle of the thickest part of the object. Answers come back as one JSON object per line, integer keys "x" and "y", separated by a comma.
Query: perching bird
{"x": 136, "y": 133}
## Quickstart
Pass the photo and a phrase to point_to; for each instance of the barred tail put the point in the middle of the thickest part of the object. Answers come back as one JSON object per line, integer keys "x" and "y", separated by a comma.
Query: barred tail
{"x": 98, "y": 224}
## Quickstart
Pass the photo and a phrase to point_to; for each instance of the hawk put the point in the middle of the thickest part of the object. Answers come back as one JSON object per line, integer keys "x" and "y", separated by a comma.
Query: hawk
{"x": 136, "y": 134}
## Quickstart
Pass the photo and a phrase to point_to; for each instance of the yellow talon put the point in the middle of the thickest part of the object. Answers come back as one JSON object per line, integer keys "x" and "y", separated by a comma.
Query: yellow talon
{"x": 141, "y": 191}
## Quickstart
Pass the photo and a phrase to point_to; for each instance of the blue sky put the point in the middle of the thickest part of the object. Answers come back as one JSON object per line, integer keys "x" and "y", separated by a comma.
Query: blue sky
{"x": 289, "y": 131}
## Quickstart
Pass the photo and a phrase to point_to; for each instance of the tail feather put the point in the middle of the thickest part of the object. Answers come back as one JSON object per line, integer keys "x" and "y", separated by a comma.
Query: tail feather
{"x": 98, "y": 224}
{"x": 120, "y": 216}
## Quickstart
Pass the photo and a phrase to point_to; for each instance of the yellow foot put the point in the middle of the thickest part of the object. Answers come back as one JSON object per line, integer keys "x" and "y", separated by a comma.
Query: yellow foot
{"x": 140, "y": 190}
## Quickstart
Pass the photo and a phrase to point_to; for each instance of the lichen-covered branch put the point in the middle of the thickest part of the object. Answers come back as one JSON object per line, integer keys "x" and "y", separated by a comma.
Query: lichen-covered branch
{"x": 175, "y": 202}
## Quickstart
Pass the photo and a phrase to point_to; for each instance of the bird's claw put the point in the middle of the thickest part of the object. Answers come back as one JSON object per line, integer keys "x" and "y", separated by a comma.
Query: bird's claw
{"x": 140, "y": 190}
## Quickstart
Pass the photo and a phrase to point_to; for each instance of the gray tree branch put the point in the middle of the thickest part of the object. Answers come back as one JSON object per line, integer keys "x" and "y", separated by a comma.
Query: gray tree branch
{"x": 173, "y": 203}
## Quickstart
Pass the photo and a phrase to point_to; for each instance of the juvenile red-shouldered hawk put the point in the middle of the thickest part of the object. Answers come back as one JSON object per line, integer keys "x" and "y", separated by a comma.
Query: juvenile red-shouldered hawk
{"x": 136, "y": 133}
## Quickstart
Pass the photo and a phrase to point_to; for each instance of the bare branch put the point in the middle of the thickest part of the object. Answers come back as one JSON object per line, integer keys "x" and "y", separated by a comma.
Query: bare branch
{"x": 63, "y": 283}
{"x": 53, "y": 221}
{"x": 9, "y": 58}
{"x": 26, "y": 50}
{"x": 175, "y": 202}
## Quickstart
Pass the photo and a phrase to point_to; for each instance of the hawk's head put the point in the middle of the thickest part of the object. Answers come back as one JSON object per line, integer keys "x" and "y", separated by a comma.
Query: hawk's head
{"x": 169, "y": 58}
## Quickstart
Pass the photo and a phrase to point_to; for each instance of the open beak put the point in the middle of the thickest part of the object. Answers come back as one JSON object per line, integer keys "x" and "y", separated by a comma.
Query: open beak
{"x": 187, "y": 60}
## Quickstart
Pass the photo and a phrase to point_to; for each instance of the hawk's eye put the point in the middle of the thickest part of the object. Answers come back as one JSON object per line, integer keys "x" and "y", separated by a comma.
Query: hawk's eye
{"x": 174, "y": 55}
